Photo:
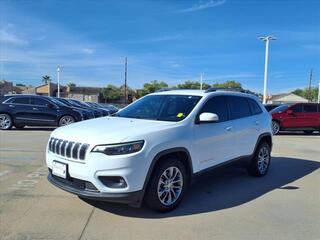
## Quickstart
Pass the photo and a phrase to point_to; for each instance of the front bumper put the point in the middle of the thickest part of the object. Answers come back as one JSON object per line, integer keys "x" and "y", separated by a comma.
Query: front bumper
{"x": 78, "y": 187}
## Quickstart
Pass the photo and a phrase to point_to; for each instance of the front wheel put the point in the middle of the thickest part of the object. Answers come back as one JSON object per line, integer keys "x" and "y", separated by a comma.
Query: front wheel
{"x": 167, "y": 185}
{"x": 66, "y": 120}
{"x": 5, "y": 121}
{"x": 275, "y": 127}
{"x": 260, "y": 162}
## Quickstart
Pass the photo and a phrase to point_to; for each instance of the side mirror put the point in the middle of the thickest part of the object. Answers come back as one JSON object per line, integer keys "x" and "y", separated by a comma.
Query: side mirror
{"x": 208, "y": 117}
{"x": 290, "y": 112}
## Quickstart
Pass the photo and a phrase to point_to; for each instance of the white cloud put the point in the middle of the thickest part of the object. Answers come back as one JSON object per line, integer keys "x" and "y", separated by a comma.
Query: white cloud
{"x": 88, "y": 50}
{"x": 10, "y": 38}
{"x": 202, "y": 6}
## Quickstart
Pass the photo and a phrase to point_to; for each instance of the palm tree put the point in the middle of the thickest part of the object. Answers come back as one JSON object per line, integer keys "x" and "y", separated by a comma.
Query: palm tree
{"x": 46, "y": 79}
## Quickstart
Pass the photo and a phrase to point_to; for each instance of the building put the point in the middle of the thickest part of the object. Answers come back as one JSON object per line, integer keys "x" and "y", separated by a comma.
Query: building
{"x": 5, "y": 87}
{"x": 286, "y": 98}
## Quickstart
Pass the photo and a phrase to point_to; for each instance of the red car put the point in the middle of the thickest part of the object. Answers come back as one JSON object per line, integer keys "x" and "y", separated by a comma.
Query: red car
{"x": 299, "y": 116}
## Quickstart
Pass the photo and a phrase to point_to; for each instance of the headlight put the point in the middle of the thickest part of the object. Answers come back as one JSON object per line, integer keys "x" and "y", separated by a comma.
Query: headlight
{"x": 119, "y": 149}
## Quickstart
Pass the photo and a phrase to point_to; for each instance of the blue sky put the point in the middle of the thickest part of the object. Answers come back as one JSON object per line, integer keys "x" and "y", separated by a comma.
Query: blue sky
{"x": 165, "y": 40}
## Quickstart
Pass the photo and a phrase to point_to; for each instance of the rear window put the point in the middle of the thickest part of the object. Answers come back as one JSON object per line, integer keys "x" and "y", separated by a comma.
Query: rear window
{"x": 239, "y": 107}
{"x": 254, "y": 106}
{"x": 280, "y": 109}
{"x": 297, "y": 108}
{"x": 310, "y": 108}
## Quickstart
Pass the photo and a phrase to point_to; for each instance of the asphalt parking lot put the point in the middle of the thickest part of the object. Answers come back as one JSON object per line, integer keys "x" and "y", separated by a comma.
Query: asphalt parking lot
{"x": 226, "y": 204}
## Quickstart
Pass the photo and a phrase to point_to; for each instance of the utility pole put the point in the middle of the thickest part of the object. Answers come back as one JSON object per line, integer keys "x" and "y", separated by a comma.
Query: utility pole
{"x": 58, "y": 73}
{"x": 266, "y": 40}
{"x": 310, "y": 81}
{"x": 201, "y": 81}
{"x": 319, "y": 92}
{"x": 125, "y": 80}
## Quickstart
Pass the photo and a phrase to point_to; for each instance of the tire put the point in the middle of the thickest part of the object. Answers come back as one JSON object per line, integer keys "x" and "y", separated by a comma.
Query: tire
{"x": 66, "y": 120}
{"x": 162, "y": 194}
{"x": 260, "y": 162}
{"x": 308, "y": 131}
{"x": 5, "y": 121}
{"x": 19, "y": 126}
{"x": 275, "y": 127}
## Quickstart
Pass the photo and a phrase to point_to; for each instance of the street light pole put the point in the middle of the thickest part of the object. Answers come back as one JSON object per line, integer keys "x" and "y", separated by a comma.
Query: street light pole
{"x": 319, "y": 92}
{"x": 58, "y": 72}
{"x": 267, "y": 40}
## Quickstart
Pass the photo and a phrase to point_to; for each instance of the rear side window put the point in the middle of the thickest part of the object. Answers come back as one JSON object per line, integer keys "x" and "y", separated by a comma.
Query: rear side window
{"x": 21, "y": 100}
{"x": 297, "y": 108}
{"x": 239, "y": 107}
{"x": 254, "y": 106}
{"x": 218, "y": 106}
{"x": 39, "y": 102}
{"x": 310, "y": 108}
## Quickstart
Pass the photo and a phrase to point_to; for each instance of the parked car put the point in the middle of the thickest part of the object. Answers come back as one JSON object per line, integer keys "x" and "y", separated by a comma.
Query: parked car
{"x": 90, "y": 113}
{"x": 98, "y": 112}
{"x": 110, "y": 108}
{"x": 161, "y": 142}
{"x": 269, "y": 107}
{"x": 300, "y": 116}
{"x": 33, "y": 110}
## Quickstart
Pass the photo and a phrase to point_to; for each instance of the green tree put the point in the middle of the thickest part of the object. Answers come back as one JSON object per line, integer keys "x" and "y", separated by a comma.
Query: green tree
{"x": 152, "y": 86}
{"x": 46, "y": 79}
{"x": 111, "y": 92}
{"x": 310, "y": 94}
{"x": 227, "y": 84}
{"x": 192, "y": 85}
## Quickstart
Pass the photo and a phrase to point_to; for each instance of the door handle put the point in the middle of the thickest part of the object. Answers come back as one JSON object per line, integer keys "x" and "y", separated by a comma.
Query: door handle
{"x": 11, "y": 105}
{"x": 229, "y": 128}
{"x": 35, "y": 108}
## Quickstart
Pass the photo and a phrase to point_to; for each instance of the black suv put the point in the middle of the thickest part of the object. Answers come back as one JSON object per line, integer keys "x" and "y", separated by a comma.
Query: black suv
{"x": 33, "y": 110}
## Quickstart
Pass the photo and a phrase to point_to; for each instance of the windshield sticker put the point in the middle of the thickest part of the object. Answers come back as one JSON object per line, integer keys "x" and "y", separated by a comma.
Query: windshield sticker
{"x": 180, "y": 115}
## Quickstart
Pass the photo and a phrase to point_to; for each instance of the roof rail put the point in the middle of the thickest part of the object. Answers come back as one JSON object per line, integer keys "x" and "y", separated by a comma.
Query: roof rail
{"x": 163, "y": 90}
{"x": 214, "y": 89}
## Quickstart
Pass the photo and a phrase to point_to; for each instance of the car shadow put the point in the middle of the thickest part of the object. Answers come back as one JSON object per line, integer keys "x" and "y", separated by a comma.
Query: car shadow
{"x": 33, "y": 129}
{"x": 297, "y": 133}
{"x": 225, "y": 188}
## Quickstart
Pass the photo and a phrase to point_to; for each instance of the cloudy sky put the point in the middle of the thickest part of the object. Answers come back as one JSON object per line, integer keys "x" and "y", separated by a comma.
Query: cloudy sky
{"x": 166, "y": 40}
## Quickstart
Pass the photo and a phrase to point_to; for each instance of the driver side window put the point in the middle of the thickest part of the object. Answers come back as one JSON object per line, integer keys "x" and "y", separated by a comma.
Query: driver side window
{"x": 218, "y": 106}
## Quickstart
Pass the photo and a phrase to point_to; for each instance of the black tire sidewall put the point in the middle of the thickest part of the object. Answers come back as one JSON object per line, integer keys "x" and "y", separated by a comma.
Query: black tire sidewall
{"x": 151, "y": 196}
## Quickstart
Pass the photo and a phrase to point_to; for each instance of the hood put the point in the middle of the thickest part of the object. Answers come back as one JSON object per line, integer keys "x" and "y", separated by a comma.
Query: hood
{"x": 108, "y": 130}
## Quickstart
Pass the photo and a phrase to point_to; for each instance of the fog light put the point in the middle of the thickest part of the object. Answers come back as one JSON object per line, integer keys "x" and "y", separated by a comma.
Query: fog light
{"x": 113, "y": 182}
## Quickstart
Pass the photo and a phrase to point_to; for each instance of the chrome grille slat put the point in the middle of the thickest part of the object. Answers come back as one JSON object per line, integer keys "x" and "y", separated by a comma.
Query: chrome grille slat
{"x": 73, "y": 150}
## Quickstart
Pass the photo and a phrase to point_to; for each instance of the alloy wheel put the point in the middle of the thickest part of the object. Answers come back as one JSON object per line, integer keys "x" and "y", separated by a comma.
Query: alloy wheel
{"x": 66, "y": 120}
{"x": 263, "y": 159}
{"x": 170, "y": 186}
{"x": 275, "y": 127}
{"x": 5, "y": 121}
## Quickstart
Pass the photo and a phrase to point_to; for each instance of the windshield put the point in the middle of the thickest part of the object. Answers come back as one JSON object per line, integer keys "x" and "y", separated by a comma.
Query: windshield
{"x": 279, "y": 109}
{"x": 161, "y": 107}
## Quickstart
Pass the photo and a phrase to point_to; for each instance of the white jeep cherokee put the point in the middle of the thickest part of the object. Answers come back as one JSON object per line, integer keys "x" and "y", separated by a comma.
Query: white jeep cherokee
{"x": 152, "y": 149}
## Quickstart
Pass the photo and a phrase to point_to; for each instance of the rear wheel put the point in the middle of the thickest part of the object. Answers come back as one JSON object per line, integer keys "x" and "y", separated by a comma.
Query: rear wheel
{"x": 5, "y": 121}
{"x": 275, "y": 127}
{"x": 167, "y": 185}
{"x": 66, "y": 120}
{"x": 260, "y": 162}
{"x": 308, "y": 131}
